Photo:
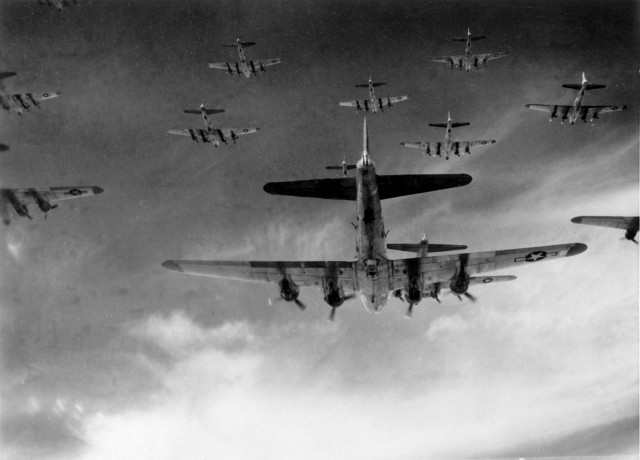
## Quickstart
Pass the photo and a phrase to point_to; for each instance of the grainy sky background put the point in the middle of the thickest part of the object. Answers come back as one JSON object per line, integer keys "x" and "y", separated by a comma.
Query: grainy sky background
{"x": 107, "y": 355}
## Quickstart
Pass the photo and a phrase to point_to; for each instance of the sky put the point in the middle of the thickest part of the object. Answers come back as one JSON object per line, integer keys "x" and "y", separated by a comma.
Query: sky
{"x": 105, "y": 354}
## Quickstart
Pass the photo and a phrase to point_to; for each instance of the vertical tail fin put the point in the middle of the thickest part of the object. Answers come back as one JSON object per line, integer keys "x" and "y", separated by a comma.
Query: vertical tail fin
{"x": 584, "y": 79}
{"x": 365, "y": 138}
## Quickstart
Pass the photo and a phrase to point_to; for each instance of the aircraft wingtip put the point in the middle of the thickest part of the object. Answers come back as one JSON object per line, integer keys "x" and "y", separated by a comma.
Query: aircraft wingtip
{"x": 465, "y": 179}
{"x": 97, "y": 190}
{"x": 171, "y": 265}
{"x": 269, "y": 188}
{"x": 577, "y": 220}
{"x": 577, "y": 248}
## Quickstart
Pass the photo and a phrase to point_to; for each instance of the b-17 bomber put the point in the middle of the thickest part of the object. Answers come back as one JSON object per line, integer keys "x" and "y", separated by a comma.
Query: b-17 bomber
{"x": 577, "y": 111}
{"x": 449, "y": 146}
{"x": 373, "y": 275}
{"x": 211, "y": 134}
{"x": 630, "y": 224}
{"x": 244, "y": 66}
{"x": 374, "y": 103}
{"x": 19, "y": 102}
{"x": 18, "y": 199}
{"x": 469, "y": 61}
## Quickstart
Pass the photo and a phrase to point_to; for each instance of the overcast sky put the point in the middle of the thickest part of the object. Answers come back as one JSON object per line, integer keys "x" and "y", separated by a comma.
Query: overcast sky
{"x": 107, "y": 355}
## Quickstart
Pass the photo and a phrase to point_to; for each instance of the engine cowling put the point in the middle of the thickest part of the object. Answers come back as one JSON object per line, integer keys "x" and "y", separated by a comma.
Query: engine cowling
{"x": 413, "y": 294}
{"x": 459, "y": 284}
{"x": 289, "y": 291}
{"x": 334, "y": 295}
{"x": 631, "y": 234}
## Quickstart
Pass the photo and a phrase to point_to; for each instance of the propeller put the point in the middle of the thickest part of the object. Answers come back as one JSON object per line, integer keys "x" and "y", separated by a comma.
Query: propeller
{"x": 332, "y": 315}
{"x": 409, "y": 310}
{"x": 471, "y": 297}
{"x": 299, "y": 303}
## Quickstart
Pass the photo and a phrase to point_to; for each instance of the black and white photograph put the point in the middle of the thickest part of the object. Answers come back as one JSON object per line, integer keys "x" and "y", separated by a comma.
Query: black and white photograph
{"x": 319, "y": 229}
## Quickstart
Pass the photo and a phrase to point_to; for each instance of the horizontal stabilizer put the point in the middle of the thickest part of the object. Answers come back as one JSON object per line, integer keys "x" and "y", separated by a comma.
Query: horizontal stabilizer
{"x": 342, "y": 167}
{"x": 208, "y": 111}
{"x": 432, "y": 247}
{"x": 366, "y": 85}
{"x": 4, "y": 75}
{"x": 473, "y": 38}
{"x": 578, "y": 87}
{"x": 245, "y": 44}
{"x": 445, "y": 125}
{"x": 388, "y": 186}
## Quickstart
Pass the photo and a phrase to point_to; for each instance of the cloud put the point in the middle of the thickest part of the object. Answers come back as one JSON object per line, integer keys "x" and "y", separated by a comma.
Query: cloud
{"x": 220, "y": 399}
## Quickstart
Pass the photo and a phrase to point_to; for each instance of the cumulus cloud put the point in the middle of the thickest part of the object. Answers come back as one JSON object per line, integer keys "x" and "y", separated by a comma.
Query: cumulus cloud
{"x": 218, "y": 401}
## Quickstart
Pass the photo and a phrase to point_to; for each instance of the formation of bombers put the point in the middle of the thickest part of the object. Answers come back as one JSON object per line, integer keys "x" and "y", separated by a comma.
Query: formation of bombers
{"x": 372, "y": 276}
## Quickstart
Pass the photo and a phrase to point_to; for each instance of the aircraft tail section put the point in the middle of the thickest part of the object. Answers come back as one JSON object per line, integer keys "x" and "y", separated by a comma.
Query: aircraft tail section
{"x": 208, "y": 111}
{"x": 579, "y": 87}
{"x": 473, "y": 38}
{"x": 445, "y": 125}
{"x": 244, "y": 44}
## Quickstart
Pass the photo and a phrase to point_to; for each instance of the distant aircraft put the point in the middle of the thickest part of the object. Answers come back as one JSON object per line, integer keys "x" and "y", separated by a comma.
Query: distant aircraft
{"x": 577, "y": 110}
{"x": 372, "y": 275}
{"x": 4, "y": 147}
{"x": 211, "y": 134}
{"x": 448, "y": 146}
{"x": 373, "y": 104}
{"x": 17, "y": 199}
{"x": 344, "y": 167}
{"x": 21, "y": 102}
{"x": 468, "y": 61}
{"x": 59, "y": 4}
{"x": 630, "y": 224}
{"x": 244, "y": 66}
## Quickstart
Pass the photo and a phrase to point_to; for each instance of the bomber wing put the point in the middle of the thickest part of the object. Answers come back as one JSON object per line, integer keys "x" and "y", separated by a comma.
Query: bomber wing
{"x": 360, "y": 104}
{"x": 28, "y": 195}
{"x": 388, "y": 186}
{"x": 195, "y": 134}
{"x": 592, "y": 111}
{"x": 26, "y": 100}
{"x": 267, "y": 62}
{"x": 446, "y": 59}
{"x": 389, "y": 101}
{"x": 434, "y": 269}
{"x": 554, "y": 110}
{"x": 620, "y": 222}
{"x": 483, "y": 58}
{"x": 45, "y": 198}
{"x": 235, "y": 132}
{"x": 310, "y": 274}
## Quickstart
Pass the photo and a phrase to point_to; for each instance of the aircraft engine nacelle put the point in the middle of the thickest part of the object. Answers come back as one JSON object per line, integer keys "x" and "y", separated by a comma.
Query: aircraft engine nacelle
{"x": 413, "y": 294}
{"x": 428, "y": 150}
{"x": 457, "y": 149}
{"x": 467, "y": 150}
{"x": 20, "y": 208}
{"x": 334, "y": 295}
{"x": 631, "y": 234}
{"x": 459, "y": 284}
{"x": 435, "y": 291}
{"x": 438, "y": 149}
{"x": 289, "y": 291}
{"x": 44, "y": 205}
